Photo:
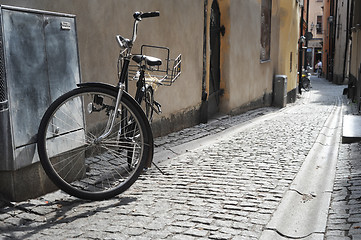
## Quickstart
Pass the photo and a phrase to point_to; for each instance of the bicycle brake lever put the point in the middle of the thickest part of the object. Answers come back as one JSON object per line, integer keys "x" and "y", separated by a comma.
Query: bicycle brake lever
{"x": 137, "y": 16}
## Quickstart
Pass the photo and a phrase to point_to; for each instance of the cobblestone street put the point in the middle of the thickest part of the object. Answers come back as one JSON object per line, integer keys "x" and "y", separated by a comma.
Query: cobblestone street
{"x": 344, "y": 222}
{"x": 227, "y": 187}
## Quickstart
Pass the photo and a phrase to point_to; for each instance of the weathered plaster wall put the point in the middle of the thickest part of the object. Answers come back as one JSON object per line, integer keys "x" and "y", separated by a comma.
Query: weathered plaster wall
{"x": 244, "y": 78}
{"x": 340, "y": 42}
{"x": 288, "y": 42}
{"x": 179, "y": 27}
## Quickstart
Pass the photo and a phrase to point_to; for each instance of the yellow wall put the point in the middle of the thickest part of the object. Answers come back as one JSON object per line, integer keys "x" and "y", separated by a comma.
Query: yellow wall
{"x": 244, "y": 77}
{"x": 288, "y": 41}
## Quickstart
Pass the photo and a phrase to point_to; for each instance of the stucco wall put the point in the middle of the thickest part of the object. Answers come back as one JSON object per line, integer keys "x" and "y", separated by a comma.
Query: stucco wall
{"x": 355, "y": 61}
{"x": 244, "y": 78}
{"x": 355, "y": 64}
{"x": 356, "y": 42}
{"x": 315, "y": 9}
{"x": 179, "y": 27}
{"x": 340, "y": 42}
{"x": 326, "y": 29}
{"x": 248, "y": 82}
{"x": 288, "y": 42}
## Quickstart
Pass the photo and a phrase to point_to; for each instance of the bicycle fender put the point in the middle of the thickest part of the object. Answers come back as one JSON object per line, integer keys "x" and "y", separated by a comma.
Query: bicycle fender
{"x": 98, "y": 84}
{"x": 105, "y": 85}
{"x": 144, "y": 118}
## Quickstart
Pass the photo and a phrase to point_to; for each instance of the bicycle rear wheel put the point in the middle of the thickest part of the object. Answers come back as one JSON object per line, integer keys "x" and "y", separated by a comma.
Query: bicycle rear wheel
{"x": 306, "y": 83}
{"x": 73, "y": 155}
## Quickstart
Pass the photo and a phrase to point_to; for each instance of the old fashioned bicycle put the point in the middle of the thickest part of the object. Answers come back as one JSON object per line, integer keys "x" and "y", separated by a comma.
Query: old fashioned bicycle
{"x": 94, "y": 141}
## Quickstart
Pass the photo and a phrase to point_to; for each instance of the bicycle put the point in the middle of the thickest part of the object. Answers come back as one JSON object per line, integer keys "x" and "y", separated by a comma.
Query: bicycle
{"x": 94, "y": 141}
{"x": 306, "y": 81}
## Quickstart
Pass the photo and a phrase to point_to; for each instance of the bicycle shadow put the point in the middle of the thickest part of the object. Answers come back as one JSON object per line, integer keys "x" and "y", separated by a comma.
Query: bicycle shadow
{"x": 31, "y": 222}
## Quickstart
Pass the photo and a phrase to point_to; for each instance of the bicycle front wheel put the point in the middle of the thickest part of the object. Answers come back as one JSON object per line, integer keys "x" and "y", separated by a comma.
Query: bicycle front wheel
{"x": 76, "y": 153}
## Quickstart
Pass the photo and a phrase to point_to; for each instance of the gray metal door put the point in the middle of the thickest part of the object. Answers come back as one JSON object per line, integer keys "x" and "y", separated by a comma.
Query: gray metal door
{"x": 62, "y": 57}
{"x": 26, "y": 71}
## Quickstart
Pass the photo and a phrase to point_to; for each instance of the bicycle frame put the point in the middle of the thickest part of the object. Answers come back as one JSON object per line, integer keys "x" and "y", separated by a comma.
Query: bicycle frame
{"x": 123, "y": 78}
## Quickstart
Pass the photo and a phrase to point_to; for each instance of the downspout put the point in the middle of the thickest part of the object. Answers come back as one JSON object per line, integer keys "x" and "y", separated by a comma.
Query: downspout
{"x": 204, "y": 105}
{"x": 350, "y": 81}
{"x": 307, "y": 19}
{"x": 346, "y": 41}
{"x": 332, "y": 38}
{"x": 350, "y": 26}
{"x": 300, "y": 53}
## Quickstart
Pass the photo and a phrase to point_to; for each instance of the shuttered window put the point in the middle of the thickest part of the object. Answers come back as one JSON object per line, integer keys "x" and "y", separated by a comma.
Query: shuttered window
{"x": 266, "y": 13}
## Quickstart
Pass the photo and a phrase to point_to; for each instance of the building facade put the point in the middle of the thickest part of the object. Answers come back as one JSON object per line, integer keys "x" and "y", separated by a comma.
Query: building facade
{"x": 342, "y": 43}
{"x": 354, "y": 87}
{"x": 328, "y": 31}
{"x": 315, "y": 26}
{"x": 342, "y": 46}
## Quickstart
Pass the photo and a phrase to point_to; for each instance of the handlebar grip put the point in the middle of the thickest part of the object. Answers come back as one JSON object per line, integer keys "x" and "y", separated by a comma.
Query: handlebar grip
{"x": 149, "y": 14}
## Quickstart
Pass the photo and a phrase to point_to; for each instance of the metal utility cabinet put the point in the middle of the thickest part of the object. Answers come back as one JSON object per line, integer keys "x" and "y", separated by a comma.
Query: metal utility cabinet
{"x": 38, "y": 62}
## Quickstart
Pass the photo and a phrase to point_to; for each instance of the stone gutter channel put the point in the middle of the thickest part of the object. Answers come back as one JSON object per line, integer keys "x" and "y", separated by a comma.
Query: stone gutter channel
{"x": 303, "y": 211}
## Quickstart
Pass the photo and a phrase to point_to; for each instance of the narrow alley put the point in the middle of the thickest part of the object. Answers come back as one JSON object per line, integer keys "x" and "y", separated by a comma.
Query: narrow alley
{"x": 224, "y": 180}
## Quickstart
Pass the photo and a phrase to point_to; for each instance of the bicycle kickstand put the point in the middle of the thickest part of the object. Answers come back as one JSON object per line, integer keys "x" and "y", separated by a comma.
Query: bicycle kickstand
{"x": 160, "y": 170}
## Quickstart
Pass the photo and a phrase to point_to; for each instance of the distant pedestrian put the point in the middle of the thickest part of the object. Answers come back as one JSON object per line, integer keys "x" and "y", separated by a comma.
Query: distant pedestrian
{"x": 318, "y": 68}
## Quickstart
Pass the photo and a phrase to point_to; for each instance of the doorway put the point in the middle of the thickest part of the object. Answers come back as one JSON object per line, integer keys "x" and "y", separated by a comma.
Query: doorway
{"x": 214, "y": 74}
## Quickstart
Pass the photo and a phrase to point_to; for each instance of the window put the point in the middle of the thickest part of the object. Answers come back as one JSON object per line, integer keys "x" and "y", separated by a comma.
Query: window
{"x": 266, "y": 12}
{"x": 319, "y": 25}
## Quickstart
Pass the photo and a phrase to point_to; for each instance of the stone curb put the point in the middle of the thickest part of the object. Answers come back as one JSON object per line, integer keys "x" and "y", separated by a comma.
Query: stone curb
{"x": 303, "y": 211}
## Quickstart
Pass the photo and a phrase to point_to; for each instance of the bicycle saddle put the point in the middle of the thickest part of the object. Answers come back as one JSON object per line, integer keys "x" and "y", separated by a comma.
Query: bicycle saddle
{"x": 151, "y": 61}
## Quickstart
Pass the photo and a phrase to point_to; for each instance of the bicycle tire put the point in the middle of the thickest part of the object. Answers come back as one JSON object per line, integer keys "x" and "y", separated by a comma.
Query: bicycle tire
{"x": 75, "y": 160}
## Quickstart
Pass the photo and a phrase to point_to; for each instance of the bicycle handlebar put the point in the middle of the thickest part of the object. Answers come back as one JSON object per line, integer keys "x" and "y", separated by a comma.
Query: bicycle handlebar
{"x": 150, "y": 14}
{"x": 140, "y": 15}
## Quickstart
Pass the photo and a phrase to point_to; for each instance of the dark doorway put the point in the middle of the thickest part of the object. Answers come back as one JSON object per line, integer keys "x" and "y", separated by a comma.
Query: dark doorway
{"x": 214, "y": 76}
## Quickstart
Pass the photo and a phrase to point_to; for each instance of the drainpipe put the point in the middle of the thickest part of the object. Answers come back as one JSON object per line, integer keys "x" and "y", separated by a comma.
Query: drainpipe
{"x": 300, "y": 53}
{"x": 204, "y": 104}
{"x": 346, "y": 41}
{"x": 307, "y": 19}
{"x": 332, "y": 39}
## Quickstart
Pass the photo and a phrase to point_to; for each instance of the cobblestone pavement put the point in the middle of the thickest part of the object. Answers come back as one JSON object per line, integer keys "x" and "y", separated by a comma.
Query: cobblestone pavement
{"x": 344, "y": 221}
{"x": 228, "y": 189}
